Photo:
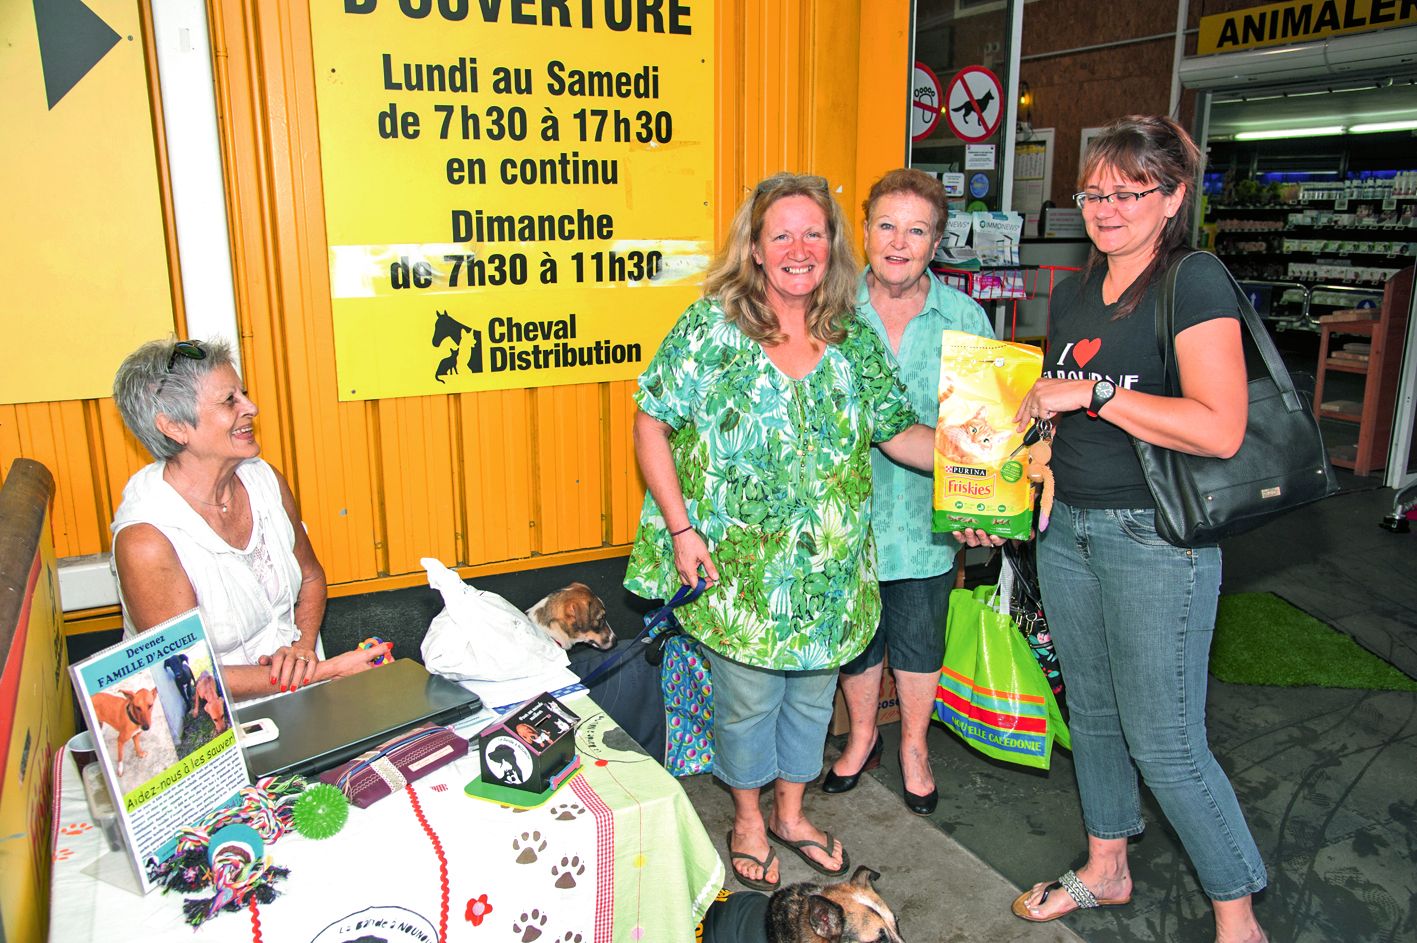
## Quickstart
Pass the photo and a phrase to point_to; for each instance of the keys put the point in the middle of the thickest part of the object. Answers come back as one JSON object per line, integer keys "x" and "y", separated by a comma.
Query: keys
{"x": 1040, "y": 429}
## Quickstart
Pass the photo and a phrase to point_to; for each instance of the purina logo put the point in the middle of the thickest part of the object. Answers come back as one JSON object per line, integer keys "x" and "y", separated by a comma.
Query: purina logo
{"x": 512, "y": 344}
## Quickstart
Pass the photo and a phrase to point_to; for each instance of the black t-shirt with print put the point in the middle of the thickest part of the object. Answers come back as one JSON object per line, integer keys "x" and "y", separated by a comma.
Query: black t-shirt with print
{"x": 1094, "y": 465}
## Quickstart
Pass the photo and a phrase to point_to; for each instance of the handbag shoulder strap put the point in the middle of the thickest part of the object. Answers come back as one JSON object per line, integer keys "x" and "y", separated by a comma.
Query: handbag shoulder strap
{"x": 1253, "y": 329}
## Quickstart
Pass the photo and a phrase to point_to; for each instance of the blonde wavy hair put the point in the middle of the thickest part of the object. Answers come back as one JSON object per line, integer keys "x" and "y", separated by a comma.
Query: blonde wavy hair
{"x": 739, "y": 285}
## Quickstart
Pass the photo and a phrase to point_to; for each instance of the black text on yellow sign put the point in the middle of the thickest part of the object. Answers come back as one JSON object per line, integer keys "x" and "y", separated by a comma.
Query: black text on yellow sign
{"x": 645, "y": 16}
{"x": 494, "y": 168}
{"x": 1299, "y": 21}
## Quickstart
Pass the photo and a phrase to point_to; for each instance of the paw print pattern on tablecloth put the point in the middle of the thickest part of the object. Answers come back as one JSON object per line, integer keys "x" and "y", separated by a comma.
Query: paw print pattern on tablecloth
{"x": 567, "y": 871}
{"x": 572, "y": 936}
{"x": 528, "y": 845}
{"x": 63, "y": 854}
{"x": 529, "y": 926}
{"x": 74, "y": 829}
{"x": 568, "y": 811}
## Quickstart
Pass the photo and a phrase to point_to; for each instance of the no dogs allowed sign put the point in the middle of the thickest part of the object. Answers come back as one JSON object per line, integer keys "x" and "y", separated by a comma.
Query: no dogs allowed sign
{"x": 974, "y": 104}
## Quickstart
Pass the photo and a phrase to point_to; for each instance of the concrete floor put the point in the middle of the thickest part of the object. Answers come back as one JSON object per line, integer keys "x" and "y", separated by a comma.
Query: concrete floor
{"x": 1324, "y": 776}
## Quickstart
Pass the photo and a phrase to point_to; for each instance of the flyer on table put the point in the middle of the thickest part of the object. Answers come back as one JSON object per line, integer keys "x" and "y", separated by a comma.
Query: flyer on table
{"x": 161, "y": 722}
{"x": 516, "y": 194}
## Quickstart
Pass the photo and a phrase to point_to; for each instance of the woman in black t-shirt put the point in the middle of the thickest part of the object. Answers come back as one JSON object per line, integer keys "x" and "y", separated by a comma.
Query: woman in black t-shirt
{"x": 1132, "y": 615}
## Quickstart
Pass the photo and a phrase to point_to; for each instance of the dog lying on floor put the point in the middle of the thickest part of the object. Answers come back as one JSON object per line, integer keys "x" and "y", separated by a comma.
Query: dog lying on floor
{"x": 572, "y": 616}
{"x": 849, "y": 912}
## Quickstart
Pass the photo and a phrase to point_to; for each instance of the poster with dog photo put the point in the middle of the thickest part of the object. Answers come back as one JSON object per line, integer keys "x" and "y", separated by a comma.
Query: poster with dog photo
{"x": 158, "y": 712}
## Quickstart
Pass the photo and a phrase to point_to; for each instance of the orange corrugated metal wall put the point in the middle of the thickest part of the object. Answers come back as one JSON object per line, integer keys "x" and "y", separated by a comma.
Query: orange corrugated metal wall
{"x": 488, "y": 481}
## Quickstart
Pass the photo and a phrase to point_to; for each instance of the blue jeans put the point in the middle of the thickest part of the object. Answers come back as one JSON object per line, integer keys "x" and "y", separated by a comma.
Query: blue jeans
{"x": 1132, "y": 618}
{"x": 769, "y": 724}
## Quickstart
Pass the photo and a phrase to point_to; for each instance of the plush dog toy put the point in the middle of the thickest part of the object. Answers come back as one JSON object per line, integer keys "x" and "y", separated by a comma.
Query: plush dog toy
{"x": 1040, "y": 454}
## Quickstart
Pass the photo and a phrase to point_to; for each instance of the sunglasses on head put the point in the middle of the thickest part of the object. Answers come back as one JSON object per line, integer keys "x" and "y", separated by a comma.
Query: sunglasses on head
{"x": 192, "y": 350}
{"x": 783, "y": 181}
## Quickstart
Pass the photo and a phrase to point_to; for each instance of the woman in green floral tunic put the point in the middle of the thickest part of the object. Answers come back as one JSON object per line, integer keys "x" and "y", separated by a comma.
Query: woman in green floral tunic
{"x": 754, "y": 433}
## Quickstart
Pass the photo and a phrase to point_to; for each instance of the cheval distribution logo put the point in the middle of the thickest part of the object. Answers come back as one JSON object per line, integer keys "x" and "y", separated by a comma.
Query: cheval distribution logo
{"x": 505, "y": 344}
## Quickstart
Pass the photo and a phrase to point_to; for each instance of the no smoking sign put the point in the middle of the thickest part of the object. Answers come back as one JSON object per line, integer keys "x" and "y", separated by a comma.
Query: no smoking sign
{"x": 974, "y": 104}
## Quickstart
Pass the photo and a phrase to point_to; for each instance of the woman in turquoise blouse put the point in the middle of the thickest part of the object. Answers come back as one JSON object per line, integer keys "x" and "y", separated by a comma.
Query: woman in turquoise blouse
{"x": 909, "y": 308}
{"x": 755, "y": 425}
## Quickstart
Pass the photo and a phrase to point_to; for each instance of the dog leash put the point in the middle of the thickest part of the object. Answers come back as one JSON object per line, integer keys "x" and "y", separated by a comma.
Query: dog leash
{"x": 653, "y": 625}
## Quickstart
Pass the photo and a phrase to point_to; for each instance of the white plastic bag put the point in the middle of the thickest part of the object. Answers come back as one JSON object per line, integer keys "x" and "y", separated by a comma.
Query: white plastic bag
{"x": 479, "y": 636}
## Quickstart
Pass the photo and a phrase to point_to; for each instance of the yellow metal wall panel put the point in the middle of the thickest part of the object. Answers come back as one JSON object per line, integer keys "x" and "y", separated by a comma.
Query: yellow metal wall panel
{"x": 623, "y": 486}
{"x": 55, "y": 435}
{"x": 569, "y": 465}
{"x": 495, "y": 454}
{"x": 417, "y": 460}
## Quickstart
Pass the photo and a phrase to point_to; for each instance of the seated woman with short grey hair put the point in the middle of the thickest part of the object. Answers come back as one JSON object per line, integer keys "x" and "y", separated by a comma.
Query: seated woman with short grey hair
{"x": 212, "y": 526}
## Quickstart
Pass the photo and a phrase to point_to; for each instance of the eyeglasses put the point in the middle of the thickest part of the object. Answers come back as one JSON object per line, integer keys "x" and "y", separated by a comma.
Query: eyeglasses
{"x": 1123, "y": 198}
{"x": 192, "y": 350}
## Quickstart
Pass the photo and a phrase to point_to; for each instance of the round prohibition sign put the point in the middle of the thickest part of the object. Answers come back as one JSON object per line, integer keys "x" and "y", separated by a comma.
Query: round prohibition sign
{"x": 924, "y": 102}
{"x": 974, "y": 104}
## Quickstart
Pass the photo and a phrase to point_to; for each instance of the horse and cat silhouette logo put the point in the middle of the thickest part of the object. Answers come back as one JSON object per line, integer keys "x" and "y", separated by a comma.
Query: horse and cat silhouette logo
{"x": 448, "y": 328}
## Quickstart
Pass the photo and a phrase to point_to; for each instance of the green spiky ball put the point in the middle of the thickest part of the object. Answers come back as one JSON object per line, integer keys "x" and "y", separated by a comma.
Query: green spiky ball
{"x": 320, "y": 812}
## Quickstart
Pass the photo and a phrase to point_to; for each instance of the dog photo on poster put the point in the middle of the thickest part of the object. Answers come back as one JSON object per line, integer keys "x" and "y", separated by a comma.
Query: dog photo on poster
{"x": 161, "y": 722}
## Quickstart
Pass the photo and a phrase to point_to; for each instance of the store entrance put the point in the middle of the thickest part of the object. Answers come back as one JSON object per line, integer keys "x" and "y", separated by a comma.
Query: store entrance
{"x": 1310, "y": 197}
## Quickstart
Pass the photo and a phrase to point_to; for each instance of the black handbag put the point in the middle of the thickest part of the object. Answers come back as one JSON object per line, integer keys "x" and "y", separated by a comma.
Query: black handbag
{"x": 1281, "y": 465}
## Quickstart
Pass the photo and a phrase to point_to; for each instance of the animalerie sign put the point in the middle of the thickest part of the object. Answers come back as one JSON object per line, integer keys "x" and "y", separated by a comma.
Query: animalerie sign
{"x": 516, "y": 194}
{"x": 1299, "y": 21}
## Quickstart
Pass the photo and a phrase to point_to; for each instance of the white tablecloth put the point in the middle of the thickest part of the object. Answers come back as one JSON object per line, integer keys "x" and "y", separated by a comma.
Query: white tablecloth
{"x": 617, "y": 854}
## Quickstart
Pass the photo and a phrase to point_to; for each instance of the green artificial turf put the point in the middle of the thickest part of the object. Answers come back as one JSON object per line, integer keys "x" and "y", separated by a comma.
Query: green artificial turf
{"x": 1261, "y": 639}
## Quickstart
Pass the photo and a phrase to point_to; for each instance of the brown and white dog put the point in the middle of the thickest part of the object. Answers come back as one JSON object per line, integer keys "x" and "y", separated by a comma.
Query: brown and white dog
{"x": 209, "y": 699}
{"x": 848, "y": 912}
{"x": 129, "y": 713}
{"x": 572, "y": 616}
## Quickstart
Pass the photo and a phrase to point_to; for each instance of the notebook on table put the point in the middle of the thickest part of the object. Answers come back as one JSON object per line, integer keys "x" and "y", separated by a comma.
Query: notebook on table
{"x": 323, "y": 726}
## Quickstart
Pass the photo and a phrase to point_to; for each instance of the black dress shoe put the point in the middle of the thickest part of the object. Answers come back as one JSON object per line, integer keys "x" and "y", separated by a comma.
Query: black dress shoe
{"x": 832, "y": 783}
{"x": 921, "y": 805}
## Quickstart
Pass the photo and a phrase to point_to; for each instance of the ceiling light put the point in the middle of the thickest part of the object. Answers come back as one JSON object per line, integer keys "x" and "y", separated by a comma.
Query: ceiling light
{"x": 1408, "y": 125}
{"x": 1273, "y": 133}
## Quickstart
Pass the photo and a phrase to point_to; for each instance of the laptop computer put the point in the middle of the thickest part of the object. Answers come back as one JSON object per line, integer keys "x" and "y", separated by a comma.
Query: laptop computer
{"x": 323, "y": 726}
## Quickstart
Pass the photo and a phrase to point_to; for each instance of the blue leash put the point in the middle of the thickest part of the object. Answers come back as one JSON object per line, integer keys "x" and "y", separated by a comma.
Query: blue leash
{"x": 654, "y": 624}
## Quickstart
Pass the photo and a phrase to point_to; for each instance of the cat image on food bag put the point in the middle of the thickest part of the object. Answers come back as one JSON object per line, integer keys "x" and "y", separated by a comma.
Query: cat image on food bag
{"x": 974, "y": 440}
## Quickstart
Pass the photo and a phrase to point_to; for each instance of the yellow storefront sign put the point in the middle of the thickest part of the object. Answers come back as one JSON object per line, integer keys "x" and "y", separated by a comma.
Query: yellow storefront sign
{"x": 516, "y": 193}
{"x": 85, "y": 257}
{"x": 1299, "y": 22}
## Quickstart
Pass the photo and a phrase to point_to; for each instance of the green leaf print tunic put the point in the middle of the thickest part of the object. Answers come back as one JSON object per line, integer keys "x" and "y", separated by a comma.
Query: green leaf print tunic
{"x": 776, "y": 475}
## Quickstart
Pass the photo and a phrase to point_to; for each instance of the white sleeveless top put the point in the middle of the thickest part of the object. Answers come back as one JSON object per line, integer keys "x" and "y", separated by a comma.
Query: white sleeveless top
{"x": 246, "y": 595}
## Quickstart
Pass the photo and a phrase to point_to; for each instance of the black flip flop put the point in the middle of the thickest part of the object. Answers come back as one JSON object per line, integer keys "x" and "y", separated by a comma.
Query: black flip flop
{"x": 757, "y": 884}
{"x": 798, "y": 849}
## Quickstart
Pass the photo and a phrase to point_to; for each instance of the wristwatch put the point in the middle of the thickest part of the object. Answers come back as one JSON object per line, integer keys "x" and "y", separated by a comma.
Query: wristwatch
{"x": 1102, "y": 393}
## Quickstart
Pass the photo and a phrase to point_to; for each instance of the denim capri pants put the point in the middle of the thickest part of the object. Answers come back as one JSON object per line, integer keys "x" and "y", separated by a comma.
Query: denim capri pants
{"x": 769, "y": 724}
{"x": 912, "y": 626}
{"x": 1132, "y": 618}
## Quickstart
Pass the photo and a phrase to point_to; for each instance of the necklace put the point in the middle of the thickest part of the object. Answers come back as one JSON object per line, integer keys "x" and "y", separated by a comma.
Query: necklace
{"x": 220, "y": 505}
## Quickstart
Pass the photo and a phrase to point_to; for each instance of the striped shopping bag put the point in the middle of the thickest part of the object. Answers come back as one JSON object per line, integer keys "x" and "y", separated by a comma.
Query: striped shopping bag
{"x": 991, "y": 691}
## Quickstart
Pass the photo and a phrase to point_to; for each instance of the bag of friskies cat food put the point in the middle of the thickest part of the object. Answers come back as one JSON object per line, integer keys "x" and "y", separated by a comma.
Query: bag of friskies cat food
{"x": 979, "y": 467}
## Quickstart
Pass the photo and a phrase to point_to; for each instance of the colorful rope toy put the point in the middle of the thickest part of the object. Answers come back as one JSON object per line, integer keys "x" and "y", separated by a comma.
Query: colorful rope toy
{"x": 371, "y": 642}
{"x": 225, "y": 851}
